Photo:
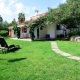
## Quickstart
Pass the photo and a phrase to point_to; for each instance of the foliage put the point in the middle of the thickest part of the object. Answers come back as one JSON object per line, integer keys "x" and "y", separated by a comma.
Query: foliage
{"x": 4, "y": 25}
{"x": 1, "y": 19}
{"x": 78, "y": 33}
{"x": 13, "y": 23}
{"x": 4, "y": 33}
{"x": 67, "y": 13}
{"x": 4, "y": 29}
{"x": 21, "y": 17}
{"x": 17, "y": 31}
{"x": 73, "y": 33}
{"x": 36, "y": 24}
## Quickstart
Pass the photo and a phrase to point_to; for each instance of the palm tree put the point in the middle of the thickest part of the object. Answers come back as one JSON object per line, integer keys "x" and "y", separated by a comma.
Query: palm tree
{"x": 21, "y": 17}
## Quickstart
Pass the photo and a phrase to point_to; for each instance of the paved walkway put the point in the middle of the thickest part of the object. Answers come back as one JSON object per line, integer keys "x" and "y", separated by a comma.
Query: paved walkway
{"x": 27, "y": 39}
{"x": 57, "y": 50}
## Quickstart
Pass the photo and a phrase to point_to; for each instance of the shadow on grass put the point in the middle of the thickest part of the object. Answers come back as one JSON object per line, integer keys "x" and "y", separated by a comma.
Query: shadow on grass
{"x": 13, "y": 50}
{"x": 15, "y": 60}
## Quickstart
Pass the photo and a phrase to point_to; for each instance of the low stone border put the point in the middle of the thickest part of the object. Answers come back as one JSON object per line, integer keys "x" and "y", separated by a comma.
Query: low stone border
{"x": 57, "y": 50}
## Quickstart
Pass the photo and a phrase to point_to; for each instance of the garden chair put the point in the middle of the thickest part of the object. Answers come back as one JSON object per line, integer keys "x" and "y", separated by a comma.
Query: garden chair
{"x": 4, "y": 46}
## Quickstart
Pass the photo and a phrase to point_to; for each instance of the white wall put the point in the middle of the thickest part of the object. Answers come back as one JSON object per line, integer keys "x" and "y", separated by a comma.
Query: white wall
{"x": 28, "y": 34}
{"x": 35, "y": 33}
{"x": 51, "y": 30}
{"x": 42, "y": 33}
{"x": 12, "y": 33}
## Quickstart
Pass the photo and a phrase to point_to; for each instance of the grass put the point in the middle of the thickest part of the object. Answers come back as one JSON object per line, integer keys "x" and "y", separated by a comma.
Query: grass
{"x": 69, "y": 47}
{"x": 37, "y": 61}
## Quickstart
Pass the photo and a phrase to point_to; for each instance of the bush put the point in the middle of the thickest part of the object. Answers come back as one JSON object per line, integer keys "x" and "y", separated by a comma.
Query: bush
{"x": 4, "y": 33}
{"x": 73, "y": 34}
{"x": 78, "y": 33}
{"x": 17, "y": 32}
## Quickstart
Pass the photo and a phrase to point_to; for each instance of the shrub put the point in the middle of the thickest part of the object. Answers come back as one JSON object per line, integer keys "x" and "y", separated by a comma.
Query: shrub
{"x": 73, "y": 34}
{"x": 4, "y": 33}
{"x": 78, "y": 33}
{"x": 17, "y": 32}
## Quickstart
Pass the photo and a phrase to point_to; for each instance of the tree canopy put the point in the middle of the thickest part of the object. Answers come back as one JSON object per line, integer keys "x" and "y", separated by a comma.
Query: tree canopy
{"x": 14, "y": 23}
{"x": 21, "y": 17}
{"x": 1, "y": 19}
{"x": 67, "y": 13}
{"x": 4, "y": 25}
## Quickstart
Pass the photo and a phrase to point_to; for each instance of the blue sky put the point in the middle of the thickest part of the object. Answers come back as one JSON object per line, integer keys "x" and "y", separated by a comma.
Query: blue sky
{"x": 9, "y": 9}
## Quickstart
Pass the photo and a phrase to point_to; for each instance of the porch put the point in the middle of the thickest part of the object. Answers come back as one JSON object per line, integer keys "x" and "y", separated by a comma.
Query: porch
{"x": 50, "y": 32}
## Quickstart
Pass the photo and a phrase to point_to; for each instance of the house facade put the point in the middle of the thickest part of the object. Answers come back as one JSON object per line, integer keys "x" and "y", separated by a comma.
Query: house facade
{"x": 51, "y": 31}
{"x": 11, "y": 31}
{"x": 24, "y": 31}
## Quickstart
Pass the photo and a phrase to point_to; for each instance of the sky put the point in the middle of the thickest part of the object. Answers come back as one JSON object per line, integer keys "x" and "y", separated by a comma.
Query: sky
{"x": 9, "y": 9}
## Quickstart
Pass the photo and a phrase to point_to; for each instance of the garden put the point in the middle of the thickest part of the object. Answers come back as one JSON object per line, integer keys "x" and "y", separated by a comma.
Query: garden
{"x": 36, "y": 61}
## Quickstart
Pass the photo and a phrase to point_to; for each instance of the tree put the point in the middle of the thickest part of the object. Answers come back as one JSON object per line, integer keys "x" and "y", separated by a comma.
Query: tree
{"x": 67, "y": 13}
{"x": 74, "y": 13}
{"x": 4, "y": 25}
{"x": 39, "y": 23}
{"x": 14, "y": 23}
{"x": 4, "y": 28}
{"x": 21, "y": 17}
{"x": 1, "y": 19}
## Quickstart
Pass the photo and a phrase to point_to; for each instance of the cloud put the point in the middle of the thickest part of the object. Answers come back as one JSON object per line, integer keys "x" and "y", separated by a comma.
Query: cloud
{"x": 11, "y": 2}
{"x": 11, "y": 9}
{"x": 19, "y": 7}
{"x": 27, "y": 10}
{"x": 2, "y": 0}
{"x": 63, "y": 1}
{"x": 34, "y": 8}
{"x": 4, "y": 9}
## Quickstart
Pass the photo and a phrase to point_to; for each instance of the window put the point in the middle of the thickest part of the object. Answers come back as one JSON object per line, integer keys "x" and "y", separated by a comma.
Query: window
{"x": 58, "y": 27}
{"x": 24, "y": 30}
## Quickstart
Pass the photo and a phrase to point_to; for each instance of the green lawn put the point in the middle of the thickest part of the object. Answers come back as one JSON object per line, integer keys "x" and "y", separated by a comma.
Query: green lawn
{"x": 37, "y": 61}
{"x": 70, "y": 47}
